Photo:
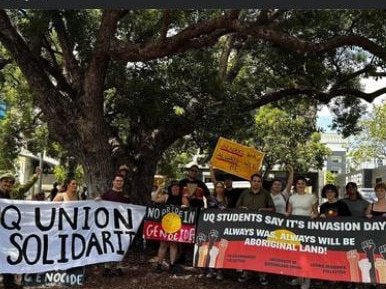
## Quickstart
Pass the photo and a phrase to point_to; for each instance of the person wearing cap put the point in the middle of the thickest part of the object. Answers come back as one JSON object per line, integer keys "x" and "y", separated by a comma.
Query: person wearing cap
{"x": 123, "y": 170}
{"x": 8, "y": 191}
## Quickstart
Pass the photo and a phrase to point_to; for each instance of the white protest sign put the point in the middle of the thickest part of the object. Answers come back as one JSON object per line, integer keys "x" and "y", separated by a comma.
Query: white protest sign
{"x": 45, "y": 236}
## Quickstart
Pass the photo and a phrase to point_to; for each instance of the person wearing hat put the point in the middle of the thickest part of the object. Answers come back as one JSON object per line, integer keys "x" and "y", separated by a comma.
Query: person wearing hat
{"x": 7, "y": 180}
{"x": 8, "y": 191}
{"x": 123, "y": 170}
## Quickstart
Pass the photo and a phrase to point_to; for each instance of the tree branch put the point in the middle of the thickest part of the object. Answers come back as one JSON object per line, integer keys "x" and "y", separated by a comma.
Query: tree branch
{"x": 70, "y": 63}
{"x": 96, "y": 72}
{"x": 323, "y": 97}
{"x": 202, "y": 34}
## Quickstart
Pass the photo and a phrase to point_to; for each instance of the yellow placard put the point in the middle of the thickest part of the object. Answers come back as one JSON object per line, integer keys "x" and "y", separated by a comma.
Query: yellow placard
{"x": 236, "y": 159}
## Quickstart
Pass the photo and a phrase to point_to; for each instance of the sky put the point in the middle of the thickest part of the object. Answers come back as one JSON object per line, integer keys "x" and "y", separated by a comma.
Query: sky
{"x": 324, "y": 116}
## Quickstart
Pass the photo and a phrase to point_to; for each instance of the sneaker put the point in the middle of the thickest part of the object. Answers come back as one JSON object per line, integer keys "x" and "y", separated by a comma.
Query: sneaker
{"x": 295, "y": 282}
{"x": 263, "y": 280}
{"x": 306, "y": 283}
{"x": 244, "y": 277}
{"x": 106, "y": 273}
{"x": 158, "y": 269}
{"x": 219, "y": 275}
{"x": 210, "y": 275}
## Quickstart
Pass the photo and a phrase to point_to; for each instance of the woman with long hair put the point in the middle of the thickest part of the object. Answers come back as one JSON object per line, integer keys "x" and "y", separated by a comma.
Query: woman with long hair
{"x": 354, "y": 201}
{"x": 68, "y": 192}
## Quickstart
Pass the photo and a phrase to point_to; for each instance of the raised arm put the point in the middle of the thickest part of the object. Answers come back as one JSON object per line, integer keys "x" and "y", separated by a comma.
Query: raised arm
{"x": 290, "y": 180}
{"x": 18, "y": 193}
{"x": 212, "y": 174}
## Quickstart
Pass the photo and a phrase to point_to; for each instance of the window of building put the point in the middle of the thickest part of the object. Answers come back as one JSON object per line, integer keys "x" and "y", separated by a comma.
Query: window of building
{"x": 336, "y": 159}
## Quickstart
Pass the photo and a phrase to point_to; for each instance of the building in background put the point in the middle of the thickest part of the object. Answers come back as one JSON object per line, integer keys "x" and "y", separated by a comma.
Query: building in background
{"x": 336, "y": 161}
{"x": 27, "y": 162}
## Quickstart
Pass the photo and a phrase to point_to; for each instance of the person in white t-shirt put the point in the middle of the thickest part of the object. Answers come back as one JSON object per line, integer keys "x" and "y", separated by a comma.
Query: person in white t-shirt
{"x": 302, "y": 204}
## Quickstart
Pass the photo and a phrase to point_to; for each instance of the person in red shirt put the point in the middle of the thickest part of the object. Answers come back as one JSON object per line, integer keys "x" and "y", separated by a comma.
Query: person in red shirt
{"x": 115, "y": 194}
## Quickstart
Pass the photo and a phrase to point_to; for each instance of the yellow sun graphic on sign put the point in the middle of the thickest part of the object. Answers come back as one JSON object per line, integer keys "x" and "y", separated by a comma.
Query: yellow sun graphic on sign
{"x": 171, "y": 223}
{"x": 284, "y": 236}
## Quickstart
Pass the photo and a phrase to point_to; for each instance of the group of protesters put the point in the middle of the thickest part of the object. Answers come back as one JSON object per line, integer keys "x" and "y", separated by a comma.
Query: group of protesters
{"x": 289, "y": 199}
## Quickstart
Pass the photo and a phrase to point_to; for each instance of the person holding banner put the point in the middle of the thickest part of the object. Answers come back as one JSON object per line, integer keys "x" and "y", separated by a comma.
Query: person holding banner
{"x": 9, "y": 191}
{"x": 255, "y": 198}
{"x": 356, "y": 204}
{"x": 115, "y": 194}
{"x": 215, "y": 201}
{"x": 332, "y": 207}
{"x": 280, "y": 196}
{"x": 378, "y": 208}
{"x": 69, "y": 191}
{"x": 173, "y": 197}
{"x": 302, "y": 204}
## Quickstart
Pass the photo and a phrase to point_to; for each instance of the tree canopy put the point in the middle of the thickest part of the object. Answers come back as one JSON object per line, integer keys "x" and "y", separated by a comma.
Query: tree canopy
{"x": 121, "y": 86}
{"x": 370, "y": 144}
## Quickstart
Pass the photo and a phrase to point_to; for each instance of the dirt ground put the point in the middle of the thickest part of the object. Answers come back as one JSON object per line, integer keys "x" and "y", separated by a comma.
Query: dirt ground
{"x": 139, "y": 273}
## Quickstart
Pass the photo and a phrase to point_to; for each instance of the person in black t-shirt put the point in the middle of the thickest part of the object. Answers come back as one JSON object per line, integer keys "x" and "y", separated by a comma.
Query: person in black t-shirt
{"x": 193, "y": 188}
{"x": 332, "y": 207}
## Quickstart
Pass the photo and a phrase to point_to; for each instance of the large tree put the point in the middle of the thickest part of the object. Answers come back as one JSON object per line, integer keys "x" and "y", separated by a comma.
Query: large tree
{"x": 123, "y": 86}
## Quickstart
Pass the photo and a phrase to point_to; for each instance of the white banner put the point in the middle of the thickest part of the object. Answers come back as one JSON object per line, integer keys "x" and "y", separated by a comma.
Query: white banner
{"x": 39, "y": 236}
